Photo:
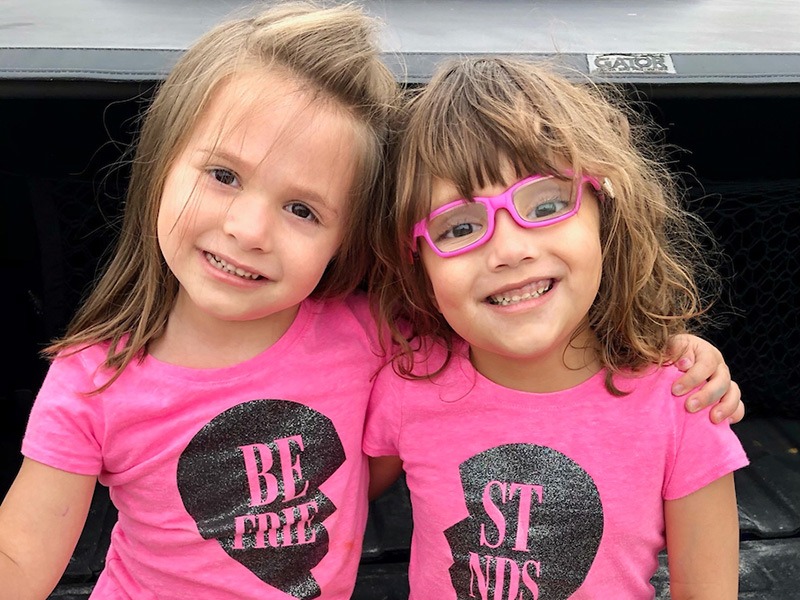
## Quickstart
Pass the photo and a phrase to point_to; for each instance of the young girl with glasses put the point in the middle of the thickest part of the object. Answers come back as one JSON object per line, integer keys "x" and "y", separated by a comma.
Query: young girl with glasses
{"x": 544, "y": 262}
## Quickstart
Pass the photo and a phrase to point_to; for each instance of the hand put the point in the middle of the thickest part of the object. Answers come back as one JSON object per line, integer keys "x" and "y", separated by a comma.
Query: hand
{"x": 700, "y": 360}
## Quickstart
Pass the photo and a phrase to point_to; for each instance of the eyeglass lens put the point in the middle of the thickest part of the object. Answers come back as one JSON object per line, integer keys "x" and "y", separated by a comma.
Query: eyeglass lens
{"x": 537, "y": 202}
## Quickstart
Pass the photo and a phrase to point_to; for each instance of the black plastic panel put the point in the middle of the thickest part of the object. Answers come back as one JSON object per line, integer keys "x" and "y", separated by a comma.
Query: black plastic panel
{"x": 731, "y": 41}
{"x": 389, "y": 524}
{"x": 768, "y": 490}
{"x": 768, "y": 570}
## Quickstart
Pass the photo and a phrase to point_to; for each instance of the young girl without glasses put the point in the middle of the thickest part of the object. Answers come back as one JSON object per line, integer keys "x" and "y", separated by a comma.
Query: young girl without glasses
{"x": 212, "y": 380}
{"x": 544, "y": 262}
{"x": 216, "y": 380}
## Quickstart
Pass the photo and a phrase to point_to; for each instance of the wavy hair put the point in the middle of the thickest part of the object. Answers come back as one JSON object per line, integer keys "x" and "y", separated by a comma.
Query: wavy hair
{"x": 476, "y": 115}
{"x": 331, "y": 51}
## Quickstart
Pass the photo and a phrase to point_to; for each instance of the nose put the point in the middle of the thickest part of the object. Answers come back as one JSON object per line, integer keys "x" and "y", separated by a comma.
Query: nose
{"x": 510, "y": 244}
{"x": 249, "y": 221}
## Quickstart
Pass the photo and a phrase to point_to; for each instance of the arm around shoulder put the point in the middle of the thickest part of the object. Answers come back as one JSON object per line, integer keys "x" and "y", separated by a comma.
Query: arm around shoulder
{"x": 703, "y": 543}
{"x": 704, "y": 365}
{"x": 41, "y": 520}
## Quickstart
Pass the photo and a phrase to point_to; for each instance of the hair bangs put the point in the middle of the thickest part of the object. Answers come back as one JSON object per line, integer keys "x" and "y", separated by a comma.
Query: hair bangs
{"x": 483, "y": 119}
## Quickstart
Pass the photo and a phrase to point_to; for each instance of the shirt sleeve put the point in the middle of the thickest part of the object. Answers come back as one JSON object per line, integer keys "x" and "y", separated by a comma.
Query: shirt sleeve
{"x": 384, "y": 416}
{"x": 65, "y": 427}
{"x": 704, "y": 452}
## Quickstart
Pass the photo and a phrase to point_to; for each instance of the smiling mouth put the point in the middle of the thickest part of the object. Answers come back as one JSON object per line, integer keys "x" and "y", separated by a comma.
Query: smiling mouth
{"x": 527, "y": 292}
{"x": 220, "y": 264}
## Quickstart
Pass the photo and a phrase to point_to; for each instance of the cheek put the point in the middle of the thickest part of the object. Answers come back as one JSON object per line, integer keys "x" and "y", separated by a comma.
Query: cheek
{"x": 183, "y": 214}
{"x": 438, "y": 283}
{"x": 169, "y": 209}
{"x": 590, "y": 263}
{"x": 597, "y": 264}
{"x": 165, "y": 227}
{"x": 323, "y": 257}
{"x": 337, "y": 245}
{"x": 307, "y": 259}
{"x": 170, "y": 227}
{"x": 588, "y": 252}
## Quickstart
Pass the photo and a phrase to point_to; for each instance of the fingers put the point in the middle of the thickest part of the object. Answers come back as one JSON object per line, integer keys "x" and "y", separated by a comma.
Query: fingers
{"x": 679, "y": 349}
{"x": 730, "y": 406}
{"x": 703, "y": 365}
{"x": 713, "y": 390}
{"x": 707, "y": 367}
{"x": 738, "y": 414}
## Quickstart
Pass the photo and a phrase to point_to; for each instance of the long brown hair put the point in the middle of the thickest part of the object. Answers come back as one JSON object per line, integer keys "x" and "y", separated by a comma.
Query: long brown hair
{"x": 332, "y": 51}
{"x": 477, "y": 114}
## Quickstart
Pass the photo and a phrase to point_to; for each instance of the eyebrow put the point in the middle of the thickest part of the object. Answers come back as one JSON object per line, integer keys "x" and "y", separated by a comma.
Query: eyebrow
{"x": 296, "y": 187}
{"x": 224, "y": 155}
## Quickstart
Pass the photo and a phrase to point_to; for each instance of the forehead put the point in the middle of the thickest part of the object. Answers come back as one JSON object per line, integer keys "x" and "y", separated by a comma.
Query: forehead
{"x": 443, "y": 191}
{"x": 267, "y": 118}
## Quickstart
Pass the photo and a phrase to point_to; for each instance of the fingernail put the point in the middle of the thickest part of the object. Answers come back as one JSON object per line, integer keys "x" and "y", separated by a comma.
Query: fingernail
{"x": 694, "y": 405}
{"x": 677, "y": 389}
{"x": 717, "y": 416}
{"x": 684, "y": 363}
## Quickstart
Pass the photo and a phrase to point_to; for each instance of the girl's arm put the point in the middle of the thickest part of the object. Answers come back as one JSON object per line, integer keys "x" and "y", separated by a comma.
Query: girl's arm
{"x": 701, "y": 362}
{"x": 383, "y": 472}
{"x": 41, "y": 519}
{"x": 703, "y": 543}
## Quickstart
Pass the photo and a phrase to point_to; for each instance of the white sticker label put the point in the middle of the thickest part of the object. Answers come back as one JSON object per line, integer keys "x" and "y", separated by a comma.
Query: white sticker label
{"x": 649, "y": 64}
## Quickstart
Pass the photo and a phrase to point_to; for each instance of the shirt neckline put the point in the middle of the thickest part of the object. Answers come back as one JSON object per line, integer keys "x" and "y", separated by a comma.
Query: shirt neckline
{"x": 242, "y": 369}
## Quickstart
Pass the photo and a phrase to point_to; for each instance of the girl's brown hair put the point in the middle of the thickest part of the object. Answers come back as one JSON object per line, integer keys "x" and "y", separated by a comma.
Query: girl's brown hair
{"x": 476, "y": 115}
{"x": 329, "y": 50}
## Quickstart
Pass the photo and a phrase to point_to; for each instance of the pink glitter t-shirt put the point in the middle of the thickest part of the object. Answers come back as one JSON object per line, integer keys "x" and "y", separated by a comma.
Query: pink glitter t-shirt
{"x": 245, "y": 482}
{"x": 550, "y": 496}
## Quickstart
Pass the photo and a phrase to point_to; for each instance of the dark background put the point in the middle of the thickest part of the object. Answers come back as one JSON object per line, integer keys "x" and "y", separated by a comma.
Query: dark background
{"x": 62, "y": 161}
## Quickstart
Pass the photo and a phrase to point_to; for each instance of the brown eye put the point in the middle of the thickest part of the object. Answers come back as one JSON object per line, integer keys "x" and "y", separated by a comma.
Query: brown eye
{"x": 224, "y": 176}
{"x": 302, "y": 211}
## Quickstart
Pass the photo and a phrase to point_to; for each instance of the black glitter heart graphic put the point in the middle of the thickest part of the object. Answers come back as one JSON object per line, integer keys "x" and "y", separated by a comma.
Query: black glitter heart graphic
{"x": 534, "y": 527}
{"x": 250, "y": 479}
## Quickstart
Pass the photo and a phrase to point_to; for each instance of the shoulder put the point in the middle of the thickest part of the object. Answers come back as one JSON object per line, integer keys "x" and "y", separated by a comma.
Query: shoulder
{"x": 433, "y": 369}
{"x": 66, "y": 425}
{"x": 343, "y": 322}
{"x": 354, "y": 308}
{"x": 648, "y": 399}
{"x": 652, "y": 391}
{"x": 654, "y": 381}
{"x": 67, "y": 387}
{"x": 81, "y": 365}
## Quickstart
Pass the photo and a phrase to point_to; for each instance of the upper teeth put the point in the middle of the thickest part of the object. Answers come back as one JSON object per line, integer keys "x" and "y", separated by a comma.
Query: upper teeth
{"x": 225, "y": 266}
{"x": 526, "y": 293}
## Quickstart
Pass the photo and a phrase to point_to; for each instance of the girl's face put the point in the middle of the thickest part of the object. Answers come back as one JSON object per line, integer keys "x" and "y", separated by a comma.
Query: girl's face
{"x": 254, "y": 206}
{"x": 518, "y": 298}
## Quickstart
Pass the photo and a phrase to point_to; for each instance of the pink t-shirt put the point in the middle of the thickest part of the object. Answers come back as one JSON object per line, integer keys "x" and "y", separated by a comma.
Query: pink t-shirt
{"x": 548, "y": 496}
{"x": 245, "y": 482}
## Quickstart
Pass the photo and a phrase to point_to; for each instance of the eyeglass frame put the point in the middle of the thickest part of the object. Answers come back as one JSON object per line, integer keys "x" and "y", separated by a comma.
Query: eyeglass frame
{"x": 495, "y": 203}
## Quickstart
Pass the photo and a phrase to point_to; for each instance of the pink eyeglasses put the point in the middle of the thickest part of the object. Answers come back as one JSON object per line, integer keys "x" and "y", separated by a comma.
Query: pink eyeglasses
{"x": 536, "y": 201}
